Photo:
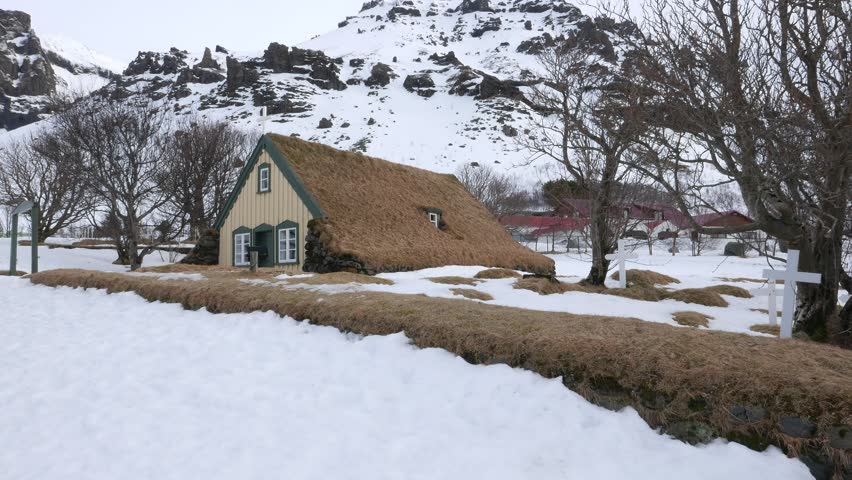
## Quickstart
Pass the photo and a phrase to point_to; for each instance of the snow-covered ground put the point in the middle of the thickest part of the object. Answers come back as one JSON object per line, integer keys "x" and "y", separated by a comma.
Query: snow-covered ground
{"x": 97, "y": 386}
{"x": 693, "y": 272}
{"x": 54, "y": 258}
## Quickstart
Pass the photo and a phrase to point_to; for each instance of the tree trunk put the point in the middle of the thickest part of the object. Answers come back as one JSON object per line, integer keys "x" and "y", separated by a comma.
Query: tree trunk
{"x": 816, "y": 304}
{"x": 601, "y": 245}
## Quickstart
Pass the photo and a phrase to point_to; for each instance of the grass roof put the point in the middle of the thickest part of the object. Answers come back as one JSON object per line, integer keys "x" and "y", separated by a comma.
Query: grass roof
{"x": 376, "y": 212}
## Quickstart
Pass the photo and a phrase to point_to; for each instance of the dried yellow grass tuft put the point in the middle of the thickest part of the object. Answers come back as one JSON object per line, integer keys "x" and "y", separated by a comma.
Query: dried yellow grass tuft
{"x": 472, "y": 294}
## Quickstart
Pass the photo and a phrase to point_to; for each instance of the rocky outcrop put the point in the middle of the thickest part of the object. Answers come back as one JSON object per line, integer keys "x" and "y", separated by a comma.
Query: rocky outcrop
{"x": 445, "y": 59}
{"x": 470, "y": 6}
{"x": 323, "y": 71}
{"x": 158, "y": 63}
{"x": 239, "y": 75}
{"x": 24, "y": 67}
{"x": 207, "y": 61}
{"x": 406, "y": 9}
{"x": 421, "y": 84}
{"x": 491, "y": 25}
{"x": 380, "y": 76}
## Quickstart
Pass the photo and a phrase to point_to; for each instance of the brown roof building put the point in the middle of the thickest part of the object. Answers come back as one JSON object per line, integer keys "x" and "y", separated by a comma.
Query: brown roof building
{"x": 315, "y": 208}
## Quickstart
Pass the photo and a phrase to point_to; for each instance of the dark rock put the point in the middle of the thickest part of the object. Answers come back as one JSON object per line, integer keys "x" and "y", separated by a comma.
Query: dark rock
{"x": 465, "y": 83}
{"x": 353, "y": 81}
{"x": 418, "y": 81}
{"x": 380, "y": 76}
{"x": 326, "y": 74}
{"x": 748, "y": 414}
{"x": 371, "y": 121}
{"x": 239, "y": 75}
{"x": 206, "y": 250}
{"x": 370, "y": 5}
{"x": 510, "y": 131}
{"x": 445, "y": 59}
{"x": 345, "y": 125}
{"x": 157, "y": 63}
{"x": 277, "y": 57}
{"x": 494, "y": 87}
{"x": 221, "y": 49}
{"x": 528, "y": 25}
{"x": 735, "y": 249}
{"x": 207, "y": 61}
{"x": 491, "y": 25}
{"x": 470, "y": 6}
{"x": 343, "y": 24}
{"x": 356, "y": 62}
{"x": 537, "y": 45}
{"x": 325, "y": 123}
{"x": 692, "y": 432}
{"x": 402, "y": 11}
{"x": 198, "y": 75}
{"x": 797, "y": 427}
{"x": 840, "y": 436}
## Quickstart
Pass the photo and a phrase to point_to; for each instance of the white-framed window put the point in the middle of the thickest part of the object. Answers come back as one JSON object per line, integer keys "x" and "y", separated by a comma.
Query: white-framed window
{"x": 288, "y": 245}
{"x": 435, "y": 218}
{"x": 242, "y": 241}
{"x": 263, "y": 181}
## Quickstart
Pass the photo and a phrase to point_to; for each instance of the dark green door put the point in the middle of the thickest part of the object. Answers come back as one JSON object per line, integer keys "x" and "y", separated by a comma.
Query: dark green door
{"x": 265, "y": 238}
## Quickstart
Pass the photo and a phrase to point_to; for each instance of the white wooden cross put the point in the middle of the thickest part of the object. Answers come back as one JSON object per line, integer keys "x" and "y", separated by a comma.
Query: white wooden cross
{"x": 770, "y": 291}
{"x": 621, "y": 256}
{"x": 791, "y": 276}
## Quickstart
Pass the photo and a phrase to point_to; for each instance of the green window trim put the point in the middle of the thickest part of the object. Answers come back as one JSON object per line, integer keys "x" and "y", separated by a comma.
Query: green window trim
{"x": 239, "y": 231}
{"x": 286, "y": 224}
{"x": 264, "y": 168}
{"x": 267, "y": 145}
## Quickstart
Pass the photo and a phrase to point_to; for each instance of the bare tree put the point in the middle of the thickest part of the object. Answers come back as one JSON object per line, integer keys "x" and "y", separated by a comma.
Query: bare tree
{"x": 501, "y": 194}
{"x": 124, "y": 148}
{"x": 587, "y": 121}
{"x": 204, "y": 161}
{"x": 757, "y": 93}
{"x": 48, "y": 171}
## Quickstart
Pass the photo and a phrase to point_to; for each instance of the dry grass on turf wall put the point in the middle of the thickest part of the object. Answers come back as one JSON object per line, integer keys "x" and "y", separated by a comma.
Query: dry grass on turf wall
{"x": 472, "y": 294}
{"x": 692, "y": 319}
{"x": 676, "y": 378}
{"x": 708, "y": 296}
{"x": 647, "y": 278}
{"x": 497, "y": 273}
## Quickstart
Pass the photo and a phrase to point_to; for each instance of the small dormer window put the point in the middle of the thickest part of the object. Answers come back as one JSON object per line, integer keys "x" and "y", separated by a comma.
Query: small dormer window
{"x": 434, "y": 216}
{"x": 435, "y": 219}
{"x": 263, "y": 178}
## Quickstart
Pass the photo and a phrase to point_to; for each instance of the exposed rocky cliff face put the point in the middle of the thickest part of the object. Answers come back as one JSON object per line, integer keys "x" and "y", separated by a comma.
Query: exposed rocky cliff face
{"x": 30, "y": 72}
{"x": 24, "y": 71}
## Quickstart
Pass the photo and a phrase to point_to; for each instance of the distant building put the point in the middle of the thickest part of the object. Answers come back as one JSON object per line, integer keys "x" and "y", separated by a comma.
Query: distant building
{"x": 567, "y": 223}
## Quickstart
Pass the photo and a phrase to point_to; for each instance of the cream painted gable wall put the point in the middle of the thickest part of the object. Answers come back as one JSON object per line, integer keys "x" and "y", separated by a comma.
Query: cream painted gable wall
{"x": 253, "y": 209}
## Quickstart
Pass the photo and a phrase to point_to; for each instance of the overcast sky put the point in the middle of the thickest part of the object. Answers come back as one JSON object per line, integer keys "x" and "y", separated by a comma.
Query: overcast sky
{"x": 120, "y": 29}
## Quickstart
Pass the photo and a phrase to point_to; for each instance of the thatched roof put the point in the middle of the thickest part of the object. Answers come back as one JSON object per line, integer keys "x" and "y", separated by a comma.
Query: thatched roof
{"x": 376, "y": 211}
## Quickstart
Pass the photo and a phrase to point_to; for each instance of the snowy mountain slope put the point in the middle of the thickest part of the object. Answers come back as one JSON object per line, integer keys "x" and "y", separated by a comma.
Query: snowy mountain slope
{"x": 78, "y": 69}
{"x": 435, "y": 84}
{"x": 431, "y": 84}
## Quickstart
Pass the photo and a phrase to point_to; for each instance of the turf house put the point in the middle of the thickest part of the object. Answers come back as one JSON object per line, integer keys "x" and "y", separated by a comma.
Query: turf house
{"x": 310, "y": 207}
